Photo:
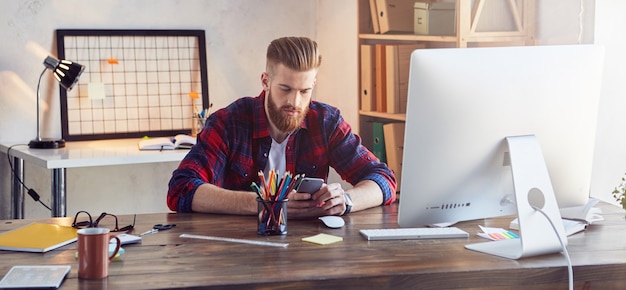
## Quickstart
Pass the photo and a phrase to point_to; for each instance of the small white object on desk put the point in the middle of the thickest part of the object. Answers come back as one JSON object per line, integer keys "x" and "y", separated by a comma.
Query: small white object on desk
{"x": 127, "y": 239}
{"x": 35, "y": 276}
{"x": 333, "y": 221}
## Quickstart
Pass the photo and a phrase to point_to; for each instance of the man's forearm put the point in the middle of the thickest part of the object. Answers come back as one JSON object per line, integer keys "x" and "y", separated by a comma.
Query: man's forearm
{"x": 212, "y": 199}
{"x": 365, "y": 194}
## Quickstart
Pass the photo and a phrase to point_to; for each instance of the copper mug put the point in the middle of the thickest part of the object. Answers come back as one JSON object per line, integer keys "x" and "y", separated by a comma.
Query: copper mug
{"x": 93, "y": 252}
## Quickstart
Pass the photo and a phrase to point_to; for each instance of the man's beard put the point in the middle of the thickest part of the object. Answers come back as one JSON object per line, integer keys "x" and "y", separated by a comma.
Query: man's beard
{"x": 283, "y": 122}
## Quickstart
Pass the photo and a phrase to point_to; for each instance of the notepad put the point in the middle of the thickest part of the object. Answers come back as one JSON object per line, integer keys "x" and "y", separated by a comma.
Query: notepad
{"x": 35, "y": 277}
{"x": 127, "y": 239}
{"x": 323, "y": 239}
{"x": 37, "y": 237}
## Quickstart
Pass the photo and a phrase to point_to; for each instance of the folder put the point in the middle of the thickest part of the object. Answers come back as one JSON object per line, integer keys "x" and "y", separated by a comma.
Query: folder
{"x": 394, "y": 147}
{"x": 374, "y": 15}
{"x": 378, "y": 142}
{"x": 37, "y": 237}
{"x": 368, "y": 81}
{"x": 397, "y": 64}
{"x": 380, "y": 80}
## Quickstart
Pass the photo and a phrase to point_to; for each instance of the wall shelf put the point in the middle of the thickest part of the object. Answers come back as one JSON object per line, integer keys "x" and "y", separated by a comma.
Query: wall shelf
{"x": 521, "y": 15}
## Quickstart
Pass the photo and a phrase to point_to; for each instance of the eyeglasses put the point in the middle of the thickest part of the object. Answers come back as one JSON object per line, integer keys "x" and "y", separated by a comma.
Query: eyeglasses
{"x": 91, "y": 224}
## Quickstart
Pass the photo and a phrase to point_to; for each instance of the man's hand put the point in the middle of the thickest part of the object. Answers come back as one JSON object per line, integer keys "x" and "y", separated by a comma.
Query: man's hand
{"x": 329, "y": 200}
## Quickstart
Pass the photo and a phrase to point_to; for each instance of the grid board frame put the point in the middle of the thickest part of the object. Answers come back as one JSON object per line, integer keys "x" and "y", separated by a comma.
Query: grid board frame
{"x": 154, "y": 82}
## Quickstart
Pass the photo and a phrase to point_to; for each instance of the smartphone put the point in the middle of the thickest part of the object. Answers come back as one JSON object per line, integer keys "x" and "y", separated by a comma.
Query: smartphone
{"x": 310, "y": 185}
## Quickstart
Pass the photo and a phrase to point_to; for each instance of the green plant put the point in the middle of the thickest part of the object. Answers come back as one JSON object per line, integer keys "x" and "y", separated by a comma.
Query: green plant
{"x": 620, "y": 193}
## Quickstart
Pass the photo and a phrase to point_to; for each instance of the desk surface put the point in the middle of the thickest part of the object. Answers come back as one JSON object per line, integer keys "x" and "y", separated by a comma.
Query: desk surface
{"x": 92, "y": 153}
{"x": 164, "y": 260}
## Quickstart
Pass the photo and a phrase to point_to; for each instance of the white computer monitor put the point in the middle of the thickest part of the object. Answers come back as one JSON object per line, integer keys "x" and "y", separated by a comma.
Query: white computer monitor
{"x": 462, "y": 103}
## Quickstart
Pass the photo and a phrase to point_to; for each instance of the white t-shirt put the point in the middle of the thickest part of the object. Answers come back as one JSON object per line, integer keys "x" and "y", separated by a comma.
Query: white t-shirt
{"x": 276, "y": 159}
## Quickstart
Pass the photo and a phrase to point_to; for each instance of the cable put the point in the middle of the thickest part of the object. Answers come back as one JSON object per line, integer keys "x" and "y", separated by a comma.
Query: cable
{"x": 33, "y": 194}
{"x": 570, "y": 271}
{"x": 580, "y": 22}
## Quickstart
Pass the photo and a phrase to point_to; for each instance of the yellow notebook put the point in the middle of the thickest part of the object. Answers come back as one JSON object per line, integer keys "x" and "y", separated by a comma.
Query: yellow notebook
{"x": 37, "y": 237}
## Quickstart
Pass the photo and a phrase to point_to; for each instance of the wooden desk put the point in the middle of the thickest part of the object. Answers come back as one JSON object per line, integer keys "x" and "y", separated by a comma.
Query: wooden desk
{"x": 75, "y": 155}
{"x": 164, "y": 260}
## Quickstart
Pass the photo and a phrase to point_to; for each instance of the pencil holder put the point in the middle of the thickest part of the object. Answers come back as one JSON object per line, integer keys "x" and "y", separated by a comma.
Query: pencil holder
{"x": 197, "y": 124}
{"x": 271, "y": 217}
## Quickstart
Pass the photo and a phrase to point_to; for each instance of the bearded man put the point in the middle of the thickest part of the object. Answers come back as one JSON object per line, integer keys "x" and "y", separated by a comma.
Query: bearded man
{"x": 282, "y": 130}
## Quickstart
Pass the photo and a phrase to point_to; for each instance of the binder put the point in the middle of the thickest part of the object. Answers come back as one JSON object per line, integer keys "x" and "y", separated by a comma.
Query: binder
{"x": 395, "y": 16}
{"x": 394, "y": 147}
{"x": 368, "y": 81}
{"x": 374, "y": 15}
{"x": 378, "y": 142}
{"x": 380, "y": 79}
{"x": 397, "y": 64}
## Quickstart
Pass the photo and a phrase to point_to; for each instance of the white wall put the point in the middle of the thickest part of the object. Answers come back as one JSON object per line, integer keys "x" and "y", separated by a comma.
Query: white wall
{"x": 238, "y": 32}
{"x": 338, "y": 78}
{"x": 610, "y": 161}
{"x": 565, "y": 21}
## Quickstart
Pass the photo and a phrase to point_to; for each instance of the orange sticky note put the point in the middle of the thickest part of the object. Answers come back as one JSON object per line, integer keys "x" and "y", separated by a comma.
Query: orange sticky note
{"x": 112, "y": 60}
{"x": 193, "y": 95}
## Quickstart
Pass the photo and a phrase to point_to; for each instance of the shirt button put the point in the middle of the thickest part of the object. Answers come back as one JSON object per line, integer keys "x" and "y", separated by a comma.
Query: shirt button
{"x": 265, "y": 155}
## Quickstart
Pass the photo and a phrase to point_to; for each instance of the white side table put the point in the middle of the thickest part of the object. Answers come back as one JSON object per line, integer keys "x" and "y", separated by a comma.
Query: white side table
{"x": 75, "y": 155}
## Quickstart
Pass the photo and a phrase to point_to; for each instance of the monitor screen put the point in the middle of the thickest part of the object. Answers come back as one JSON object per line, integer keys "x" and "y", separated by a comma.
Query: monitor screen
{"x": 463, "y": 102}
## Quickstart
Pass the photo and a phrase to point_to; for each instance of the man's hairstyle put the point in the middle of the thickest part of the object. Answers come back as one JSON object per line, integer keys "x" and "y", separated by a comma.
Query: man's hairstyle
{"x": 296, "y": 53}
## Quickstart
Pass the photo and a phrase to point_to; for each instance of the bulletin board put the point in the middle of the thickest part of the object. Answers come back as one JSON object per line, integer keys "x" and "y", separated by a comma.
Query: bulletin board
{"x": 136, "y": 83}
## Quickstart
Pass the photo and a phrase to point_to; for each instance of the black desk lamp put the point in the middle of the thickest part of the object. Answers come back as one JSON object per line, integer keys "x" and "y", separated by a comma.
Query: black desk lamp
{"x": 67, "y": 73}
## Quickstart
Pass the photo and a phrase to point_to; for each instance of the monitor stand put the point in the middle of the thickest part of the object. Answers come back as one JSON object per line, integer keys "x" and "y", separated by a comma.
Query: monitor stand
{"x": 533, "y": 188}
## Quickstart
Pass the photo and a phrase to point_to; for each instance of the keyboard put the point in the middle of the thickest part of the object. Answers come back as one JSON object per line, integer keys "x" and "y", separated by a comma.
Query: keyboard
{"x": 413, "y": 233}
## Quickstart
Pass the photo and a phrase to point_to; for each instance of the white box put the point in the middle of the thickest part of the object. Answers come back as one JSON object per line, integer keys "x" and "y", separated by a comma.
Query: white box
{"x": 434, "y": 18}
